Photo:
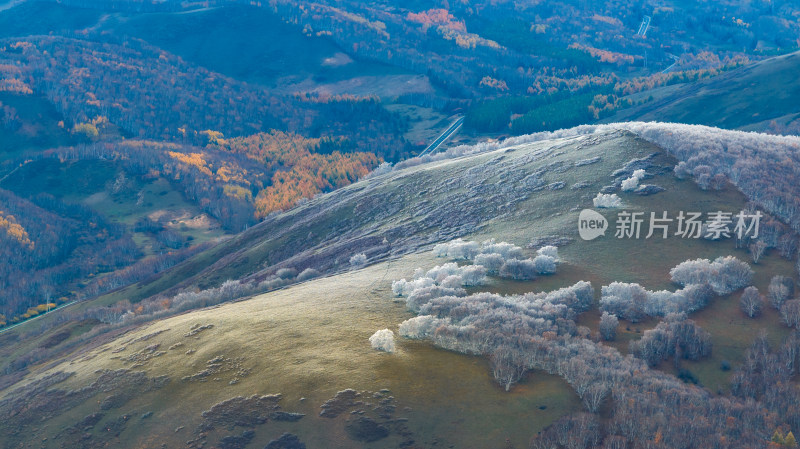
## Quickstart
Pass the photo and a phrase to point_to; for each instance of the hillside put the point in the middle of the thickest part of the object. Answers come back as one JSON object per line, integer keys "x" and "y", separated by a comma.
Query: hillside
{"x": 217, "y": 231}
{"x": 151, "y": 381}
{"x": 770, "y": 88}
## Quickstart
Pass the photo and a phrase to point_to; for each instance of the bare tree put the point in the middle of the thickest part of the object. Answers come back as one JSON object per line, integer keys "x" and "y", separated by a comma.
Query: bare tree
{"x": 787, "y": 245}
{"x": 614, "y": 442}
{"x": 751, "y": 302}
{"x": 506, "y": 367}
{"x": 790, "y": 312}
{"x": 757, "y": 249}
{"x": 780, "y": 289}
{"x": 594, "y": 396}
{"x": 677, "y": 336}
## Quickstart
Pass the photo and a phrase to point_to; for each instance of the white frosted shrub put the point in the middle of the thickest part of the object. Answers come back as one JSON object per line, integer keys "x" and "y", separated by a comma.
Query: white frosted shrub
{"x": 505, "y": 249}
{"x": 725, "y": 274}
{"x": 452, "y": 281}
{"x": 607, "y": 200}
{"x": 457, "y": 249}
{"x": 421, "y": 326}
{"x": 421, "y": 296}
{"x": 440, "y": 272}
{"x": 405, "y": 288}
{"x": 358, "y": 260}
{"x": 630, "y": 184}
{"x": 383, "y": 340}
{"x": 548, "y": 250}
{"x": 519, "y": 269}
{"x": 492, "y": 262}
{"x": 286, "y": 273}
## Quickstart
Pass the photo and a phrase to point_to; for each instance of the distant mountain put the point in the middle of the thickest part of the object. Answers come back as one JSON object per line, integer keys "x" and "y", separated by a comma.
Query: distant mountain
{"x": 749, "y": 97}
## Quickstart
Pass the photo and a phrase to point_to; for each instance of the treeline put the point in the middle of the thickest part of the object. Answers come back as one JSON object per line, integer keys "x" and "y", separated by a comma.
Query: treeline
{"x": 763, "y": 167}
{"x": 640, "y": 407}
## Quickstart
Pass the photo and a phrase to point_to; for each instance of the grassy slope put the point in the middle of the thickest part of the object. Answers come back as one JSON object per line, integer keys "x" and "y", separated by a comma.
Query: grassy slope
{"x": 770, "y": 87}
{"x": 310, "y": 340}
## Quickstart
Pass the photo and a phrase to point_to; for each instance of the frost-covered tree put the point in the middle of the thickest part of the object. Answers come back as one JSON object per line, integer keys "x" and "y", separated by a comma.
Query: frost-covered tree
{"x": 544, "y": 264}
{"x": 382, "y": 169}
{"x": 422, "y": 296}
{"x": 286, "y": 273}
{"x": 441, "y": 280}
{"x": 492, "y": 262}
{"x": 472, "y": 275}
{"x": 505, "y": 249}
{"x": 633, "y": 302}
{"x": 696, "y": 271}
{"x": 520, "y": 270}
{"x": 422, "y": 326}
{"x": 732, "y": 274}
{"x": 624, "y": 300}
{"x": 403, "y": 287}
{"x": 725, "y": 274}
{"x": 485, "y": 254}
{"x": 608, "y": 326}
{"x": 697, "y": 296}
{"x": 584, "y": 294}
{"x": 751, "y": 302}
{"x": 757, "y": 250}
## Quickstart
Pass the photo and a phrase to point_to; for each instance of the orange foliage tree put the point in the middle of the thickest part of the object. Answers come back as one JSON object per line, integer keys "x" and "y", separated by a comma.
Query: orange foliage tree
{"x": 14, "y": 230}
